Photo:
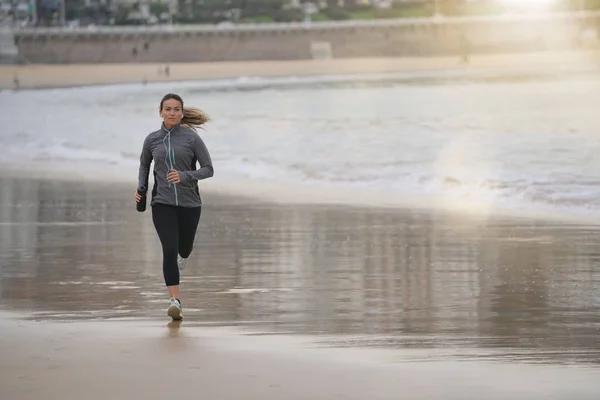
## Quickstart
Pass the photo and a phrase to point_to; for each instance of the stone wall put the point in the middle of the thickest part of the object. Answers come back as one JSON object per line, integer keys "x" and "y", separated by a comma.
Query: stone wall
{"x": 419, "y": 37}
{"x": 8, "y": 51}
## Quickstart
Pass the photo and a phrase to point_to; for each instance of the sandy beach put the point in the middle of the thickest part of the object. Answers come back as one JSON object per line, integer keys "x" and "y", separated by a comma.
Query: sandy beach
{"x": 361, "y": 302}
{"x": 52, "y": 76}
{"x": 124, "y": 360}
{"x": 301, "y": 290}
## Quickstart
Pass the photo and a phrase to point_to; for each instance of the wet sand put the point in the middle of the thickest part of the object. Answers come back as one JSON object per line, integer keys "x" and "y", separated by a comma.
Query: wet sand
{"x": 53, "y": 76}
{"x": 154, "y": 360}
{"x": 294, "y": 301}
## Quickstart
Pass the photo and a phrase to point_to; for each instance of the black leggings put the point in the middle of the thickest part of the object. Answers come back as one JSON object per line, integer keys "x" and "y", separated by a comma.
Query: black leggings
{"x": 176, "y": 228}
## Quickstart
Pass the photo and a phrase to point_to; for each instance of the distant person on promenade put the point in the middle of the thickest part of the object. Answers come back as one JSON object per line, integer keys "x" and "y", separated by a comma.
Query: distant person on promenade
{"x": 465, "y": 48}
{"x": 176, "y": 203}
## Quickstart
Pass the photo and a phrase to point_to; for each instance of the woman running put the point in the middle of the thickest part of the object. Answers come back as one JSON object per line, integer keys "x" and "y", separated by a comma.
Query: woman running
{"x": 176, "y": 204}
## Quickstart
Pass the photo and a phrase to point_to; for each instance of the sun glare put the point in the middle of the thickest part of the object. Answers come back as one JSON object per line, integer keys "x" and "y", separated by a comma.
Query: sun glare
{"x": 529, "y": 2}
{"x": 528, "y": 6}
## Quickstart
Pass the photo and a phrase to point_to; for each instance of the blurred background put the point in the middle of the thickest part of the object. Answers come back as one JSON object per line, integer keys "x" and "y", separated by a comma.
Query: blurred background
{"x": 109, "y": 31}
{"x": 128, "y": 12}
{"x": 489, "y": 107}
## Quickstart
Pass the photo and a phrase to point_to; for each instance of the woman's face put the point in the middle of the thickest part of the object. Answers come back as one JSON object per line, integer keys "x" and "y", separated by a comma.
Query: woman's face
{"x": 171, "y": 112}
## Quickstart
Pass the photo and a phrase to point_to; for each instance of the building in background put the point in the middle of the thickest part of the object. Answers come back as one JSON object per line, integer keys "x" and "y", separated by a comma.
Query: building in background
{"x": 50, "y": 12}
{"x": 22, "y": 13}
{"x": 17, "y": 12}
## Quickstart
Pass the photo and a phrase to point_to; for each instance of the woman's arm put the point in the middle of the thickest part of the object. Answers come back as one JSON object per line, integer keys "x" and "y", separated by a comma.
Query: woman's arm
{"x": 144, "y": 171}
{"x": 203, "y": 156}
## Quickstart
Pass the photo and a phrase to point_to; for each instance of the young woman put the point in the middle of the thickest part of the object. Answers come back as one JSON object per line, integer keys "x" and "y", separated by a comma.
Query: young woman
{"x": 175, "y": 149}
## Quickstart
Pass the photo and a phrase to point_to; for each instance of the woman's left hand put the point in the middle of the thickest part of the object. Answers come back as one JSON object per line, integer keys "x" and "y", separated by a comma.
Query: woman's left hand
{"x": 173, "y": 176}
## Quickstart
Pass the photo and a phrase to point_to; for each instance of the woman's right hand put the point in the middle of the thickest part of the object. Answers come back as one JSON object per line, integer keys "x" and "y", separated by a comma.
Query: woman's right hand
{"x": 137, "y": 197}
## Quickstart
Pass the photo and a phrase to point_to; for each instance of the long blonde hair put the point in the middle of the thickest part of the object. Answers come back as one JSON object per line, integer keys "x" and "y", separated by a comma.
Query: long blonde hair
{"x": 192, "y": 117}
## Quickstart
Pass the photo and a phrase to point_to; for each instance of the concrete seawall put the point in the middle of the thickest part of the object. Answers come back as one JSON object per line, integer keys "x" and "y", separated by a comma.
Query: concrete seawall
{"x": 352, "y": 39}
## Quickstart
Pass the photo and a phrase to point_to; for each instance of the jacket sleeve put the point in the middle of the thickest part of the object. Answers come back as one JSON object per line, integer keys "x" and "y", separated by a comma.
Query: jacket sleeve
{"x": 144, "y": 170}
{"x": 202, "y": 155}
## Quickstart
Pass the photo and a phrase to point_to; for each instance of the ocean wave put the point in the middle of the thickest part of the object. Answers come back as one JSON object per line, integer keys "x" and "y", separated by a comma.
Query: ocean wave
{"x": 516, "y": 144}
{"x": 575, "y": 195}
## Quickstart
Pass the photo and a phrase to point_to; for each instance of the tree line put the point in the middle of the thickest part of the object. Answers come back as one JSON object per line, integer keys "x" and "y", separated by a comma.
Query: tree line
{"x": 248, "y": 11}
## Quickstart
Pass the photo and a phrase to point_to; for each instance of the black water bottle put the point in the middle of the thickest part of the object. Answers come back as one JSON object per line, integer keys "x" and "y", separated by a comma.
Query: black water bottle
{"x": 141, "y": 205}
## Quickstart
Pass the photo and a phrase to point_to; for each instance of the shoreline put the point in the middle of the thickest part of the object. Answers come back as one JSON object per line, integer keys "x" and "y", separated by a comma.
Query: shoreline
{"x": 297, "y": 193}
{"x": 46, "y": 76}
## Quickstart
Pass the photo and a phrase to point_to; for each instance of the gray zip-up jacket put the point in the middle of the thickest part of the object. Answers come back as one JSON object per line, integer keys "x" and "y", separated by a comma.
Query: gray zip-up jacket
{"x": 179, "y": 148}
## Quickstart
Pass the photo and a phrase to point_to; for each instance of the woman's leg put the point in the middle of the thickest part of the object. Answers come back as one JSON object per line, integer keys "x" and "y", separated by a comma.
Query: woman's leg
{"x": 188, "y": 224}
{"x": 166, "y": 225}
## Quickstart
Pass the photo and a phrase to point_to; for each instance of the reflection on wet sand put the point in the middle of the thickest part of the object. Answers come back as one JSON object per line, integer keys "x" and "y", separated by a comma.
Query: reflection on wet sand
{"x": 518, "y": 289}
